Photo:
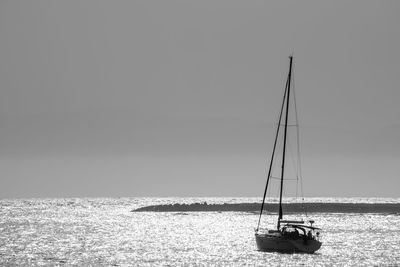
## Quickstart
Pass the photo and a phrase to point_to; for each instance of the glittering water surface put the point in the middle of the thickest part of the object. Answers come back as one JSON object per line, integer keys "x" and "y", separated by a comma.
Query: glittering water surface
{"x": 105, "y": 232}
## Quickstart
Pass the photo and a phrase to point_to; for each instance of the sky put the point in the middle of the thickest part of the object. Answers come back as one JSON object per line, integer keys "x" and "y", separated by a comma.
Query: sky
{"x": 180, "y": 98}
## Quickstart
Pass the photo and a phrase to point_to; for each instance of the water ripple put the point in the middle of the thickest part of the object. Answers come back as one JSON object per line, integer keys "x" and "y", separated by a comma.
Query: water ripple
{"x": 103, "y": 232}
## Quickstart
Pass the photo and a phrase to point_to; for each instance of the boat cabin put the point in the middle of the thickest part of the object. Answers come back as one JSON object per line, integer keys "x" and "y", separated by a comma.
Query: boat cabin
{"x": 295, "y": 231}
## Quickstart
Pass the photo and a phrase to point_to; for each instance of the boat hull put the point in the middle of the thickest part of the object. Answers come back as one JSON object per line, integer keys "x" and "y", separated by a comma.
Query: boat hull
{"x": 279, "y": 243}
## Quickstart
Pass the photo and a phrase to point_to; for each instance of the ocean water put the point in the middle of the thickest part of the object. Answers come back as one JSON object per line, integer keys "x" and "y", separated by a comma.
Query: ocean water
{"x": 104, "y": 232}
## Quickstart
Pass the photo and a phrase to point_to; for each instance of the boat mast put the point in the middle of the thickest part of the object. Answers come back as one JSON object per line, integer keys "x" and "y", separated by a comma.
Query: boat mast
{"x": 272, "y": 157}
{"x": 284, "y": 140}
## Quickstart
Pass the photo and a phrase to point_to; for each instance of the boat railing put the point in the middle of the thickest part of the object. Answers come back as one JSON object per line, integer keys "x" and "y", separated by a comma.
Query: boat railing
{"x": 291, "y": 221}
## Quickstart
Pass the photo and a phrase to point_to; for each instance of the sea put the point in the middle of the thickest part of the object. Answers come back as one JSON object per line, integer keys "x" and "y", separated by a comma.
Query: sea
{"x": 105, "y": 232}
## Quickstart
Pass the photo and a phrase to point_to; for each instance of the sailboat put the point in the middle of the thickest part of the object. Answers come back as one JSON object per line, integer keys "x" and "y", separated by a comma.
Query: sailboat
{"x": 290, "y": 236}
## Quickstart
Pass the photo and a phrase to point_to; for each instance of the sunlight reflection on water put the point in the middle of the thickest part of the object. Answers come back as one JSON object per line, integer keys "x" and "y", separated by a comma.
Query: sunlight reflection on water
{"x": 105, "y": 232}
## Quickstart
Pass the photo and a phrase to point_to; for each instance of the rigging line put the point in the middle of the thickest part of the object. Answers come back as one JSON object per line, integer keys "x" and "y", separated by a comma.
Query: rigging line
{"x": 295, "y": 163}
{"x": 298, "y": 167}
{"x": 299, "y": 172}
{"x": 277, "y": 194}
{"x": 273, "y": 151}
{"x": 292, "y": 157}
{"x": 295, "y": 168}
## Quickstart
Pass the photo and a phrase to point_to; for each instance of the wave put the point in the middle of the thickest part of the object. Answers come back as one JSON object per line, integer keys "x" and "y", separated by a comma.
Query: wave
{"x": 273, "y": 207}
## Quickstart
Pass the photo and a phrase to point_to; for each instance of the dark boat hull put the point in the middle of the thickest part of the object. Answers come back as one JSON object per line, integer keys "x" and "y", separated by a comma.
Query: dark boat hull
{"x": 279, "y": 243}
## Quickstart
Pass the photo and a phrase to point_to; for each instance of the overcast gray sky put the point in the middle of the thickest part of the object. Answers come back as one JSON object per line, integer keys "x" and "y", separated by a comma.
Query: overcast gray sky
{"x": 179, "y": 98}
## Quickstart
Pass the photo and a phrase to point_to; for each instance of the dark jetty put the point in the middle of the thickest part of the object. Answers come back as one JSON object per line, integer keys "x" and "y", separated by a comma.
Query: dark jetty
{"x": 273, "y": 207}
